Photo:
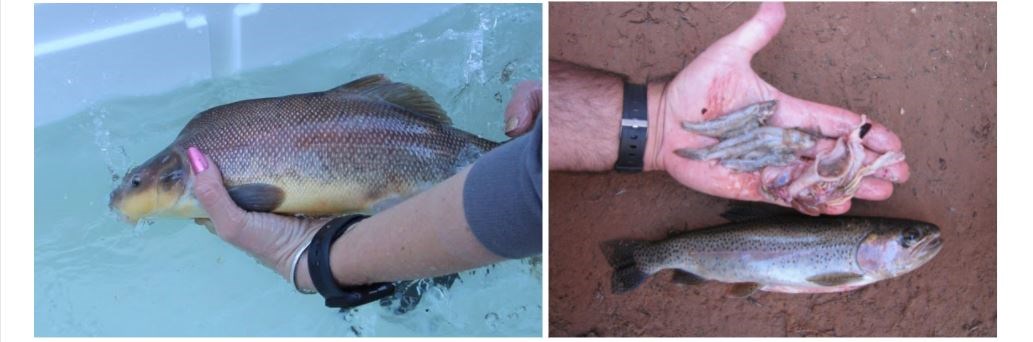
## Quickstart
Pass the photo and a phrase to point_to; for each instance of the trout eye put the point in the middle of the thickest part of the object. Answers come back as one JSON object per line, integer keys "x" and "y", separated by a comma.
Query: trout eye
{"x": 910, "y": 237}
{"x": 135, "y": 182}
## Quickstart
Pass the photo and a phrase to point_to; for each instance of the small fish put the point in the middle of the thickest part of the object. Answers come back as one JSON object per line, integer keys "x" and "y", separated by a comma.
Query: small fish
{"x": 359, "y": 147}
{"x": 760, "y": 146}
{"x": 794, "y": 254}
{"x": 832, "y": 178}
{"x": 733, "y": 123}
{"x": 746, "y": 145}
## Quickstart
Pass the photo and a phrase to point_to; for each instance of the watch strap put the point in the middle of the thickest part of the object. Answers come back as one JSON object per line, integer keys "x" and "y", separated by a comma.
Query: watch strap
{"x": 335, "y": 295}
{"x": 634, "y": 124}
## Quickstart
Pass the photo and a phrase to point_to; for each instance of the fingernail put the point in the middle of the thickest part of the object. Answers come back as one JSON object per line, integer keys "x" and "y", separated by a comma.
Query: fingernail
{"x": 512, "y": 124}
{"x": 197, "y": 161}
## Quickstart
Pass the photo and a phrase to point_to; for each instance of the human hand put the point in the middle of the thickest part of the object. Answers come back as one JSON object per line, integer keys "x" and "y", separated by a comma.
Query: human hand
{"x": 523, "y": 108}
{"x": 721, "y": 80}
{"x": 272, "y": 239}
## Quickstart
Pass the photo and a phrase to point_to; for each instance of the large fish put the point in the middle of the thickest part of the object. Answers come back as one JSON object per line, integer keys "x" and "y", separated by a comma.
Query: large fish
{"x": 781, "y": 254}
{"x": 354, "y": 148}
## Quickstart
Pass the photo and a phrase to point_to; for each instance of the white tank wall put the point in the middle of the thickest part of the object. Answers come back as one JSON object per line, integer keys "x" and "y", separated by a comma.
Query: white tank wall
{"x": 86, "y": 53}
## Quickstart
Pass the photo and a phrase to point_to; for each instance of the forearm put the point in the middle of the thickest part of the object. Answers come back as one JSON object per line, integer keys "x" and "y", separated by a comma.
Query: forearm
{"x": 585, "y": 109}
{"x": 584, "y": 117}
{"x": 424, "y": 236}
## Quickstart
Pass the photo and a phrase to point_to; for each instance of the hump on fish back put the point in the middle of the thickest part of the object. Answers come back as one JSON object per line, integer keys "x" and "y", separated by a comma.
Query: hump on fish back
{"x": 400, "y": 94}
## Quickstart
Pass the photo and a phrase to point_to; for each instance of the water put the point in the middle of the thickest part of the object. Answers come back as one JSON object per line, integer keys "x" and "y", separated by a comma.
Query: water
{"x": 95, "y": 276}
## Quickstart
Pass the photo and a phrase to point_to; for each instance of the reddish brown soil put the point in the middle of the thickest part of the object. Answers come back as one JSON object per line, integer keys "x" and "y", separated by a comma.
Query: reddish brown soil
{"x": 927, "y": 71}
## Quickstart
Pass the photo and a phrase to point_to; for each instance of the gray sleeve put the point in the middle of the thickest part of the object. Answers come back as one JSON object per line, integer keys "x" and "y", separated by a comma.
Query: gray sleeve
{"x": 502, "y": 197}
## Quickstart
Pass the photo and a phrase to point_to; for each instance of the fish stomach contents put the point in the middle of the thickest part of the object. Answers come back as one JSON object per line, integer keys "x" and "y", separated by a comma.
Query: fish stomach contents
{"x": 782, "y": 254}
{"x": 746, "y": 144}
{"x": 787, "y": 178}
{"x": 353, "y": 148}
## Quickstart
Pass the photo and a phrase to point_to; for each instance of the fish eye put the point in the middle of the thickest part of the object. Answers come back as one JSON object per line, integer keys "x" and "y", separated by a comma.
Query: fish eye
{"x": 910, "y": 236}
{"x": 135, "y": 182}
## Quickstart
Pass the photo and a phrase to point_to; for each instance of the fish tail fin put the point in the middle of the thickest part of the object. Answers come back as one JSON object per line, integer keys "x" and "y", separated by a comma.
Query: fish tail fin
{"x": 627, "y": 275}
{"x": 694, "y": 154}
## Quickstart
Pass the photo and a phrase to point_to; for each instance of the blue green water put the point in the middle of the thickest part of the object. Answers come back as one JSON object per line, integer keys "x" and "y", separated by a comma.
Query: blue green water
{"x": 96, "y": 276}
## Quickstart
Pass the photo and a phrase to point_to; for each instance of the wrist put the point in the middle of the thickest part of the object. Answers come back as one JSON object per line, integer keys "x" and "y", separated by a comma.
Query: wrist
{"x": 653, "y": 159}
{"x": 302, "y": 277}
{"x": 302, "y": 273}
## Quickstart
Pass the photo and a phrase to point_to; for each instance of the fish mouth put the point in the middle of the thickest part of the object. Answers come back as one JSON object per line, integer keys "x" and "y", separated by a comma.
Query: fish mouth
{"x": 928, "y": 248}
{"x": 115, "y": 208}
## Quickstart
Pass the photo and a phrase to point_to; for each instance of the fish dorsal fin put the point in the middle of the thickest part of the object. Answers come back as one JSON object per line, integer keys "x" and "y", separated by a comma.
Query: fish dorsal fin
{"x": 835, "y": 279}
{"x": 400, "y": 94}
{"x": 740, "y": 211}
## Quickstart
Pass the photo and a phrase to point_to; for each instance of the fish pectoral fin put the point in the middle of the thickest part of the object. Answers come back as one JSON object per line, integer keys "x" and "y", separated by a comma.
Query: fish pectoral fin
{"x": 742, "y": 290}
{"x": 207, "y": 223}
{"x": 835, "y": 279}
{"x": 257, "y": 197}
{"x": 687, "y": 278}
{"x": 400, "y": 94}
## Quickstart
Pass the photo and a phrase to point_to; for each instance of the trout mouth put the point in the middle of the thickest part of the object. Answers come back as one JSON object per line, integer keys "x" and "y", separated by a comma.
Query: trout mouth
{"x": 930, "y": 247}
{"x": 926, "y": 249}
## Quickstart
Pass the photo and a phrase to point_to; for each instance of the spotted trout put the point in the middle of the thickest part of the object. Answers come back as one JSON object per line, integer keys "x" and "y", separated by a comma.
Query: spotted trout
{"x": 354, "y": 148}
{"x": 781, "y": 254}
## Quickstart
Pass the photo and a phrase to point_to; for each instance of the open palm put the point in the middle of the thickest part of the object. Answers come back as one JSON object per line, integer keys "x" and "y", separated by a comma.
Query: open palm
{"x": 721, "y": 80}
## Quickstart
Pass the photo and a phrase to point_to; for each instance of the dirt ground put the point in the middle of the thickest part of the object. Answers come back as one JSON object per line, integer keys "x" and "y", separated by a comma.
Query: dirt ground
{"x": 926, "y": 71}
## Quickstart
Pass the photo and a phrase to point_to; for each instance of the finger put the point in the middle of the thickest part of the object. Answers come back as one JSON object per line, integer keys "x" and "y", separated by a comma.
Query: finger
{"x": 211, "y": 193}
{"x": 896, "y": 173}
{"x": 838, "y": 209}
{"x": 755, "y": 33}
{"x": 832, "y": 121}
{"x": 523, "y": 107}
{"x": 873, "y": 189}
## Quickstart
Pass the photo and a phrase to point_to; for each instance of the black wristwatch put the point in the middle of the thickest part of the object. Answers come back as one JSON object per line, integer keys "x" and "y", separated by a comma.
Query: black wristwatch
{"x": 322, "y": 277}
{"x": 634, "y": 122}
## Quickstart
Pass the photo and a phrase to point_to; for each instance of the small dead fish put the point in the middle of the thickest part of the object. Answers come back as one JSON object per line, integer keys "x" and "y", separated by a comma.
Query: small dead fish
{"x": 745, "y": 144}
{"x": 754, "y": 149}
{"x": 735, "y": 122}
{"x": 781, "y": 254}
{"x": 831, "y": 178}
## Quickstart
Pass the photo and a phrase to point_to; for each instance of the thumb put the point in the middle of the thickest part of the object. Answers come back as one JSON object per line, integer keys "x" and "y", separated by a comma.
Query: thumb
{"x": 522, "y": 108}
{"x": 755, "y": 33}
{"x": 211, "y": 193}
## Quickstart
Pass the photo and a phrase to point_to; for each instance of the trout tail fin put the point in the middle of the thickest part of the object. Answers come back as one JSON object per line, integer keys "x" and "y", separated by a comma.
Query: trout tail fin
{"x": 626, "y": 272}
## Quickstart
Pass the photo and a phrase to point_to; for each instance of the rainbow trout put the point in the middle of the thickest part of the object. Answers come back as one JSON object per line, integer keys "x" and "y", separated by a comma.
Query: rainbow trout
{"x": 354, "y": 148}
{"x": 781, "y": 254}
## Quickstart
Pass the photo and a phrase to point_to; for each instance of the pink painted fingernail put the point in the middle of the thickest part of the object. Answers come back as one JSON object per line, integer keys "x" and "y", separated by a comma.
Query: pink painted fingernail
{"x": 197, "y": 161}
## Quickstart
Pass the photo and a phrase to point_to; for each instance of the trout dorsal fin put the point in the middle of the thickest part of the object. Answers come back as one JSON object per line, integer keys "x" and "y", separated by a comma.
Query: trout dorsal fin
{"x": 400, "y": 94}
{"x": 740, "y": 211}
